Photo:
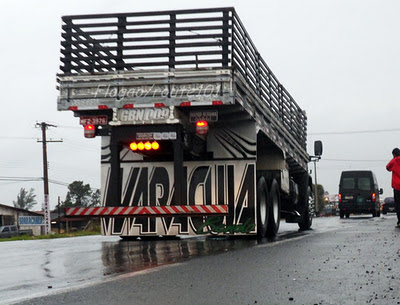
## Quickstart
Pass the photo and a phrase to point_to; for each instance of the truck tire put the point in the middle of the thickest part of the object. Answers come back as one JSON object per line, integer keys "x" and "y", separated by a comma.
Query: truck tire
{"x": 307, "y": 216}
{"x": 274, "y": 204}
{"x": 262, "y": 207}
{"x": 341, "y": 214}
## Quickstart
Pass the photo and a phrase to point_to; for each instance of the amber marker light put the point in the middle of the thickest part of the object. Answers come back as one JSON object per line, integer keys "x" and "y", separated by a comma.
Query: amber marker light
{"x": 147, "y": 145}
{"x": 133, "y": 146}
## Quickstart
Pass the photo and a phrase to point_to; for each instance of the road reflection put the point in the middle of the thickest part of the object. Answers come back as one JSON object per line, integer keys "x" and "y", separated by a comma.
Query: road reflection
{"x": 132, "y": 256}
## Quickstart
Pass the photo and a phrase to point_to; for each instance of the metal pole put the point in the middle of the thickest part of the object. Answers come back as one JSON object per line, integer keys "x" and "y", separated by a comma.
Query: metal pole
{"x": 316, "y": 187}
{"x": 59, "y": 216}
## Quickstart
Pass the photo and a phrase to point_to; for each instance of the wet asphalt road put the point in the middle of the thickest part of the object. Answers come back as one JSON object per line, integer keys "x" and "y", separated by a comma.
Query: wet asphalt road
{"x": 349, "y": 261}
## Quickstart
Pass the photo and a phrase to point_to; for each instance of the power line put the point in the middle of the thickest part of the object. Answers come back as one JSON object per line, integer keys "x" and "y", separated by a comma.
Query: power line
{"x": 36, "y": 179}
{"x": 16, "y": 138}
{"x": 353, "y": 132}
{"x": 345, "y": 160}
{"x": 6, "y": 178}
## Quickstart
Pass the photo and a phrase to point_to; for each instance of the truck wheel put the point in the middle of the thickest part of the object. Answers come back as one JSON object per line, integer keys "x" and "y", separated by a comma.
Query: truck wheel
{"x": 274, "y": 204}
{"x": 262, "y": 207}
{"x": 341, "y": 214}
{"x": 306, "y": 219}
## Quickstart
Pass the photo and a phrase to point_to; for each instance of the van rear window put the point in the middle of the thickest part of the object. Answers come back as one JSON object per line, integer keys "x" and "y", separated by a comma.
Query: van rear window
{"x": 349, "y": 183}
{"x": 364, "y": 183}
{"x": 360, "y": 183}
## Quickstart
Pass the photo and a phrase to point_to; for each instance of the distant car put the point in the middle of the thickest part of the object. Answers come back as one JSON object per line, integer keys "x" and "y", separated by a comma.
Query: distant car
{"x": 8, "y": 231}
{"x": 359, "y": 193}
{"x": 388, "y": 205}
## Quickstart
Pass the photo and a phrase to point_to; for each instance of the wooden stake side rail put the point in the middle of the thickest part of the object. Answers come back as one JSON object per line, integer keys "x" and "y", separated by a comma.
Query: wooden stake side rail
{"x": 167, "y": 43}
{"x": 156, "y": 211}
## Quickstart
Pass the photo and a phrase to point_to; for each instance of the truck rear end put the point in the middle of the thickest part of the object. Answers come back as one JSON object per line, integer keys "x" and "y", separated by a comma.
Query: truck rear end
{"x": 198, "y": 135}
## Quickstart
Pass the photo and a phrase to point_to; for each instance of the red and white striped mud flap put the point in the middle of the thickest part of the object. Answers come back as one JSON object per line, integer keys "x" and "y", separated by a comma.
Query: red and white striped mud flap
{"x": 155, "y": 211}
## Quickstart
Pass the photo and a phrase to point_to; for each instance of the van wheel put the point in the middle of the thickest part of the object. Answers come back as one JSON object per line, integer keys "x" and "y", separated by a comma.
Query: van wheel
{"x": 374, "y": 213}
{"x": 262, "y": 207}
{"x": 347, "y": 215}
{"x": 307, "y": 217}
{"x": 341, "y": 214}
{"x": 274, "y": 204}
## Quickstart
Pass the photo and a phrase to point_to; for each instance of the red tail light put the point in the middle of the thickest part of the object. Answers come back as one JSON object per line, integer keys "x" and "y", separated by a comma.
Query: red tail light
{"x": 340, "y": 197}
{"x": 201, "y": 127}
{"x": 89, "y": 131}
{"x": 373, "y": 197}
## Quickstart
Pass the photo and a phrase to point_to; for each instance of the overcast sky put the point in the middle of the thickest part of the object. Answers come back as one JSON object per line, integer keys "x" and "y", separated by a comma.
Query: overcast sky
{"x": 339, "y": 60}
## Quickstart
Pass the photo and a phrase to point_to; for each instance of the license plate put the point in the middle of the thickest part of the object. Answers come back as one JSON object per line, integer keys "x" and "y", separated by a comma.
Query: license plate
{"x": 93, "y": 120}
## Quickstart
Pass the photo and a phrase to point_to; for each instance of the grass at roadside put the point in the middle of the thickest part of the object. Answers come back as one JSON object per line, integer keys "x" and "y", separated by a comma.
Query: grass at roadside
{"x": 51, "y": 236}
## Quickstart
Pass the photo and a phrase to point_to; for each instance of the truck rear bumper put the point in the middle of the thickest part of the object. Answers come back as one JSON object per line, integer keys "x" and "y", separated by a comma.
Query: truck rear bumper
{"x": 156, "y": 211}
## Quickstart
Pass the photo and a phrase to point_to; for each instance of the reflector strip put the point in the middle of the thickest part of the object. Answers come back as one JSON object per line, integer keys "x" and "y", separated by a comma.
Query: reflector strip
{"x": 148, "y": 105}
{"x": 90, "y": 107}
{"x": 151, "y": 211}
{"x": 212, "y": 103}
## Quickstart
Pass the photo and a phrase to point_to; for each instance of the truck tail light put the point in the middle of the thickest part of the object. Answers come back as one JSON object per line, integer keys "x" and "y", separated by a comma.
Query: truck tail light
{"x": 201, "y": 127}
{"x": 89, "y": 131}
{"x": 135, "y": 146}
{"x": 340, "y": 197}
{"x": 373, "y": 197}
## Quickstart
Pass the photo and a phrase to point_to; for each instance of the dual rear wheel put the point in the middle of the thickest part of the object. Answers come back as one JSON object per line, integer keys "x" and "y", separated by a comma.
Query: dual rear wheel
{"x": 268, "y": 208}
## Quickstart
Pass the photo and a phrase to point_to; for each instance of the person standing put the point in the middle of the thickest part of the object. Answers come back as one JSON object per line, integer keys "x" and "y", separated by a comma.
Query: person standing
{"x": 394, "y": 167}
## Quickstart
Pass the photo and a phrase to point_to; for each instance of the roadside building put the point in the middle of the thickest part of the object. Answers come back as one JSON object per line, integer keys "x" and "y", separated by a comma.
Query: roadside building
{"x": 24, "y": 219}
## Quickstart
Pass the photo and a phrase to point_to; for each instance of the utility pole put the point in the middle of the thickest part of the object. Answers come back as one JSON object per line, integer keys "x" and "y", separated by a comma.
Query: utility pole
{"x": 47, "y": 220}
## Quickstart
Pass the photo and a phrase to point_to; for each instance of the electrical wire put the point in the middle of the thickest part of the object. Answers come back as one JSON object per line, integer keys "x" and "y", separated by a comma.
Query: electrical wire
{"x": 352, "y": 132}
{"x": 346, "y": 160}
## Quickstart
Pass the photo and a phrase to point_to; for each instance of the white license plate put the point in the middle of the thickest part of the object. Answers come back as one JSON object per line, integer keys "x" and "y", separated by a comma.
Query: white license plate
{"x": 93, "y": 120}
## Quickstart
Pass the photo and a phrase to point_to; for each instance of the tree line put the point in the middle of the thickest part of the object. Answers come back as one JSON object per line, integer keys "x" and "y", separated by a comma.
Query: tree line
{"x": 79, "y": 194}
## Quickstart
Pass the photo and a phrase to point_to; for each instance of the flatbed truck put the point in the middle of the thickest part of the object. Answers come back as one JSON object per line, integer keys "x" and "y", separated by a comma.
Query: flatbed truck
{"x": 198, "y": 136}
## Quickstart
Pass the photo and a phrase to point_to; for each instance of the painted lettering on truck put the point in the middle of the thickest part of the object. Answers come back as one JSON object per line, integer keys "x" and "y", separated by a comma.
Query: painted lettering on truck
{"x": 218, "y": 183}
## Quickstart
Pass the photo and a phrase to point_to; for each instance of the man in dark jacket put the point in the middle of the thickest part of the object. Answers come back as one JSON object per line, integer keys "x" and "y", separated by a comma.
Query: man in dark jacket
{"x": 394, "y": 167}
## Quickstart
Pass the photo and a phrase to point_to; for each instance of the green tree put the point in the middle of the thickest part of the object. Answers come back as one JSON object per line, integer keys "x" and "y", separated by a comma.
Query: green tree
{"x": 80, "y": 194}
{"x": 96, "y": 197}
{"x": 25, "y": 200}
